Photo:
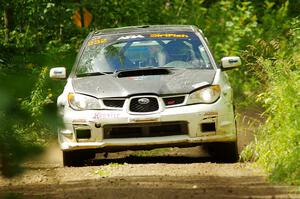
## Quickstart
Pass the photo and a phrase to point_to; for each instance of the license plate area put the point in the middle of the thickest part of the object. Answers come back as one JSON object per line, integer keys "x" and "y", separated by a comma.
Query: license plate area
{"x": 145, "y": 130}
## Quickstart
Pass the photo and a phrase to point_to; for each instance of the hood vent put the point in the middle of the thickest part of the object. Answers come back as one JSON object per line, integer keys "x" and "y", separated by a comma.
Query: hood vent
{"x": 143, "y": 72}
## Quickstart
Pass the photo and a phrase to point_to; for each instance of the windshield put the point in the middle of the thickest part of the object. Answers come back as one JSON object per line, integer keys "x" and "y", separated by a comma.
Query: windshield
{"x": 108, "y": 54}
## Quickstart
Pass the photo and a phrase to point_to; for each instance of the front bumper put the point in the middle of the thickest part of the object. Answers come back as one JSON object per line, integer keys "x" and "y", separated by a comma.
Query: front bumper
{"x": 204, "y": 123}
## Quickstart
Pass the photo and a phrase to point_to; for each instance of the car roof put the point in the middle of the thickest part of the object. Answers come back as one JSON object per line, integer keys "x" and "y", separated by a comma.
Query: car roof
{"x": 145, "y": 29}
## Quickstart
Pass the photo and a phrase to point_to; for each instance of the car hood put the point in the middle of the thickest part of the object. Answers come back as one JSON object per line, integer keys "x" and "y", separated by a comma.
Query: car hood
{"x": 177, "y": 82}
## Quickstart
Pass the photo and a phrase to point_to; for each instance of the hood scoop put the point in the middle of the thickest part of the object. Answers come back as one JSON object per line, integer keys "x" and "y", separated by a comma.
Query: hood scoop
{"x": 143, "y": 72}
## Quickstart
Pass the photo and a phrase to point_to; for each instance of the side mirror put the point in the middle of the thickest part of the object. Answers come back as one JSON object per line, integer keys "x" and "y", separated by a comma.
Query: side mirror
{"x": 58, "y": 73}
{"x": 228, "y": 63}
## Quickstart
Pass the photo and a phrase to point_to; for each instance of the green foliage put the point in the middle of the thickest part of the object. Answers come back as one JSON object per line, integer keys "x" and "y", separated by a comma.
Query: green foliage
{"x": 39, "y": 96}
{"x": 105, "y": 171}
{"x": 15, "y": 145}
{"x": 117, "y": 164}
{"x": 230, "y": 27}
{"x": 102, "y": 172}
{"x": 40, "y": 105}
{"x": 277, "y": 141}
{"x": 275, "y": 63}
{"x": 25, "y": 123}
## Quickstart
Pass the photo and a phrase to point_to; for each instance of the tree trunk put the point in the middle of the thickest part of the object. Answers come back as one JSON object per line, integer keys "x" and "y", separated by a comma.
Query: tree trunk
{"x": 8, "y": 21}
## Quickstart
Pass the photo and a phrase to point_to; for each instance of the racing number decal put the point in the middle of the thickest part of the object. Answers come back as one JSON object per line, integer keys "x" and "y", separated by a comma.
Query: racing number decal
{"x": 97, "y": 41}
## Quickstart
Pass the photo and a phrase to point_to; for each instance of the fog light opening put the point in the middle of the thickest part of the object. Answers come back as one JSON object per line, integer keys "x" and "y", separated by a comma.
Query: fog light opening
{"x": 208, "y": 127}
{"x": 83, "y": 133}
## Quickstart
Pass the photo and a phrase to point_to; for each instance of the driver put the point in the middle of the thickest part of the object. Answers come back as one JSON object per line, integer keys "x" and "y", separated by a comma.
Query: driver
{"x": 177, "y": 50}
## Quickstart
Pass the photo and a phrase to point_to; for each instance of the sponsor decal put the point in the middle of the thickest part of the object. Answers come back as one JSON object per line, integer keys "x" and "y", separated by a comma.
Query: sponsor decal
{"x": 211, "y": 114}
{"x": 97, "y": 41}
{"x": 130, "y": 37}
{"x": 98, "y": 116}
{"x": 168, "y": 35}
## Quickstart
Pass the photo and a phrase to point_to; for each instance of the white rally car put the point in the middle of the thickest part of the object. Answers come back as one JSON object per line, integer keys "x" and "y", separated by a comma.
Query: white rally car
{"x": 143, "y": 88}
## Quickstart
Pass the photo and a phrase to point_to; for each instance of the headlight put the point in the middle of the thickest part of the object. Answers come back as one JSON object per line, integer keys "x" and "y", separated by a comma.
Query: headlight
{"x": 205, "y": 95}
{"x": 83, "y": 102}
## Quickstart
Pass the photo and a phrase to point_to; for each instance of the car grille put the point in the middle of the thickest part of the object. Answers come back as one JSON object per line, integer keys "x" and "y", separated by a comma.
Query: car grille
{"x": 114, "y": 103}
{"x": 145, "y": 130}
{"x": 137, "y": 106}
{"x": 170, "y": 101}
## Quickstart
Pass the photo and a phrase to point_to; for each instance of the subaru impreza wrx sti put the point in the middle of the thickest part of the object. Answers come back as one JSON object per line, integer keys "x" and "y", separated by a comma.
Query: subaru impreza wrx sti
{"x": 146, "y": 87}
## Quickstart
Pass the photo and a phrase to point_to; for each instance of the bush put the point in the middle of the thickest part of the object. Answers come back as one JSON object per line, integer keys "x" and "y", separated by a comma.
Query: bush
{"x": 276, "y": 65}
{"x": 26, "y": 124}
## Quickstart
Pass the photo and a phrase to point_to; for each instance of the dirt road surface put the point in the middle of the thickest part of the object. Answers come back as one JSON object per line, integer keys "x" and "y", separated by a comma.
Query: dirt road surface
{"x": 162, "y": 173}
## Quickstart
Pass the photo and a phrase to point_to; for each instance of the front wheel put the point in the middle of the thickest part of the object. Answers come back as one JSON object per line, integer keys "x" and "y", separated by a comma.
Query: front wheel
{"x": 76, "y": 158}
{"x": 224, "y": 152}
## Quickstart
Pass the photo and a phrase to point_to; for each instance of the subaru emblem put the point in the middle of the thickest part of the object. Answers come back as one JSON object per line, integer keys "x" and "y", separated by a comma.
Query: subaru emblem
{"x": 144, "y": 101}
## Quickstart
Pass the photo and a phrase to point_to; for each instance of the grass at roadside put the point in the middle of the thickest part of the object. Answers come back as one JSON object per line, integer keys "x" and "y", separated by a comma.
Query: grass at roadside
{"x": 276, "y": 145}
{"x": 104, "y": 171}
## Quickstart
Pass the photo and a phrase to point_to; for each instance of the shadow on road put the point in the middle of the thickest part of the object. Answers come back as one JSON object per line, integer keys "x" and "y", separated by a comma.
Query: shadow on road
{"x": 151, "y": 160}
{"x": 165, "y": 156}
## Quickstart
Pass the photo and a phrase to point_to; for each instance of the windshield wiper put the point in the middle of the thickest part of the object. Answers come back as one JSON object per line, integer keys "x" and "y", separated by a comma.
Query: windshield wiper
{"x": 169, "y": 67}
{"x": 130, "y": 69}
{"x": 93, "y": 74}
{"x": 143, "y": 68}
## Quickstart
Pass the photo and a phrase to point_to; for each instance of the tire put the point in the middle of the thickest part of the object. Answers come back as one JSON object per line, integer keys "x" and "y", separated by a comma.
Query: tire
{"x": 226, "y": 152}
{"x": 76, "y": 158}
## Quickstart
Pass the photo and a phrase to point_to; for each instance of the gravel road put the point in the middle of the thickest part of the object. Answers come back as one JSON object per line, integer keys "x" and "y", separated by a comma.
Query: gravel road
{"x": 162, "y": 173}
